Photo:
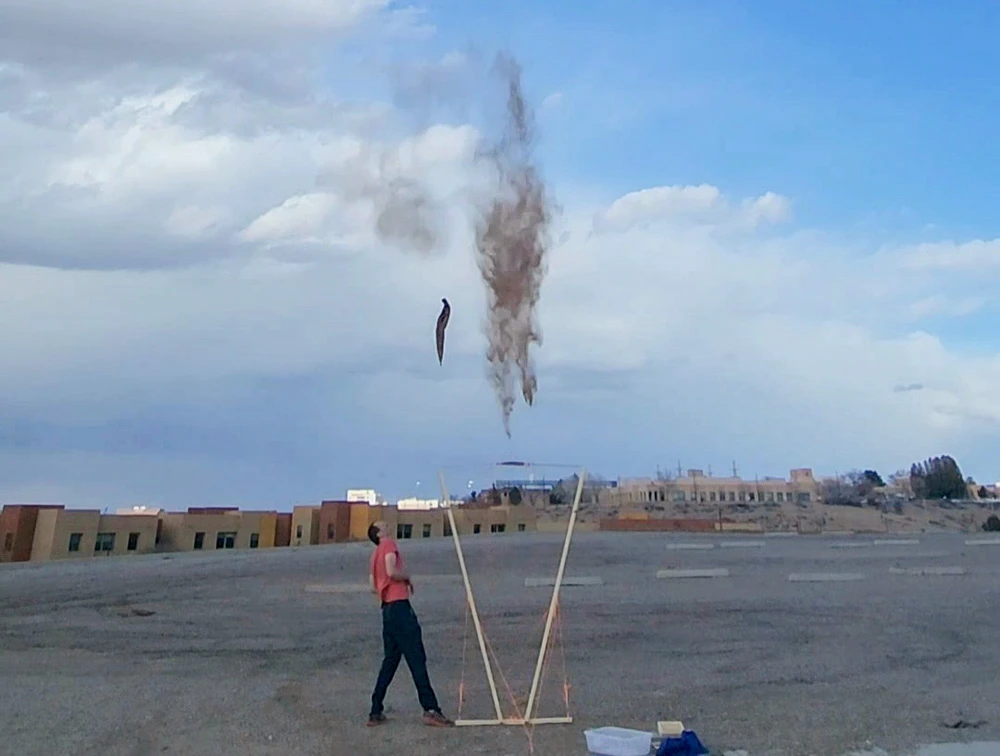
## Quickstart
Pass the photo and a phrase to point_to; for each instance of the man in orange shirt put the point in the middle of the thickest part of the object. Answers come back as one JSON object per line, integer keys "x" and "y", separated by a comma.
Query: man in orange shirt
{"x": 401, "y": 634}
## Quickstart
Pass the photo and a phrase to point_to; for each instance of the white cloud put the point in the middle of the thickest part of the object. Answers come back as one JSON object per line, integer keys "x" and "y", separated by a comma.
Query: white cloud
{"x": 971, "y": 256}
{"x": 44, "y": 32}
{"x": 938, "y": 304}
{"x": 172, "y": 235}
{"x": 703, "y": 203}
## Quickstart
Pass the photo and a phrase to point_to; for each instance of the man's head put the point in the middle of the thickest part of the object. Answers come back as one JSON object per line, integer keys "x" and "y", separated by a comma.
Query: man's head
{"x": 375, "y": 531}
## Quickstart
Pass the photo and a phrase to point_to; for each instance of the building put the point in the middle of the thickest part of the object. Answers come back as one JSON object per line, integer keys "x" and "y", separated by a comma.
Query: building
{"x": 696, "y": 487}
{"x": 75, "y": 533}
{"x": 367, "y": 495}
{"x": 17, "y": 530}
{"x": 33, "y": 532}
{"x": 418, "y": 504}
{"x": 201, "y": 529}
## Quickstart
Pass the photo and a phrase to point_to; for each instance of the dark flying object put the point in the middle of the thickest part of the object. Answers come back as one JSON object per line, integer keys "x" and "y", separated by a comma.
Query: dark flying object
{"x": 441, "y": 325}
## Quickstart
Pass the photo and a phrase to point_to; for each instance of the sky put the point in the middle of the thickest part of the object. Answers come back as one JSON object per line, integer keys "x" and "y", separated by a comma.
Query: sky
{"x": 775, "y": 245}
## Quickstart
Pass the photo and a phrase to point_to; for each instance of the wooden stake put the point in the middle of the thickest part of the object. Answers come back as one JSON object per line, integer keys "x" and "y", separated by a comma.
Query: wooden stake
{"x": 555, "y": 596}
{"x": 470, "y": 599}
{"x": 526, "y": 719}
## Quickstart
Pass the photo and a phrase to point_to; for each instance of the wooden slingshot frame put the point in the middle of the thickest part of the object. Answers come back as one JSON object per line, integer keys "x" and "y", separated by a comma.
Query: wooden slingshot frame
{"x": 527, "y": 719}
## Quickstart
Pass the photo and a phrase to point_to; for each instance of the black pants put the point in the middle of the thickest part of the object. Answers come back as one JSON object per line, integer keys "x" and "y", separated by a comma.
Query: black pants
{"x": 402, "y": 637}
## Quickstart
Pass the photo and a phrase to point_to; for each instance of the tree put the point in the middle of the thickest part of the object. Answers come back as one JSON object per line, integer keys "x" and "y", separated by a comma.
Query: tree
{"x": 842, "y": 491}
{"x": 872, "y": 477}
{"x": 984, "y": 493}
{"x": 938, "y": 478}
{"x": 992, "y": 524}
{"x": 515, "y": 496}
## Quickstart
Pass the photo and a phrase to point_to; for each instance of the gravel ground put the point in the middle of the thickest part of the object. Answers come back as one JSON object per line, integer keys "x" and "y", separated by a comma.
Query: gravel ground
{"x": 275, "y": 652}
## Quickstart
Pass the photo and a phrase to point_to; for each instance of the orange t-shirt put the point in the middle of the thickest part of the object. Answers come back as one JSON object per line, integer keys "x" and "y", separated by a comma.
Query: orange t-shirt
{"x": 388, "y": 590}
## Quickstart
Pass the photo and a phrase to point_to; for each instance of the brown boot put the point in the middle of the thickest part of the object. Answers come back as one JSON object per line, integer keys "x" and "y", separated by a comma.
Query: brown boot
{"x": 437, "y": 719}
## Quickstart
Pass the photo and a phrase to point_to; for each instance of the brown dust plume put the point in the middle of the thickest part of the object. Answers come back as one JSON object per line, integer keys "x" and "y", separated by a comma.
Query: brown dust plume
{"x": 512, "y": 239}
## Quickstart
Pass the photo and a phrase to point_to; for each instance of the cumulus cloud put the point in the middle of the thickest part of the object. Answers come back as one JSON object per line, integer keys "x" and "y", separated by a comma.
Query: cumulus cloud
{"x": 193, "y": 269}
{"x": 44, "y": 33}
{"x": 703, "y": 203}
{"x": 978, "y": 255}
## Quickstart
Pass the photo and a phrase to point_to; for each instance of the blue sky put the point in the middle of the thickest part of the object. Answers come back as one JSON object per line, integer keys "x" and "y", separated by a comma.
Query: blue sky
{"x": 198, "y": 318}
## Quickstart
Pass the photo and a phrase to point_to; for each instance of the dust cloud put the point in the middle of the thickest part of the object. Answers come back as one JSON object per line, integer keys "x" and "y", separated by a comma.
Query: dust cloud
{"x": 512, "y": 241}
{"x": 510, "y": 214}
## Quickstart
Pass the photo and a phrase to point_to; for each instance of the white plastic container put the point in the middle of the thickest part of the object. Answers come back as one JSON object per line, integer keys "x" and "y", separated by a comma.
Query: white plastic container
{"x": 618, "y": 741}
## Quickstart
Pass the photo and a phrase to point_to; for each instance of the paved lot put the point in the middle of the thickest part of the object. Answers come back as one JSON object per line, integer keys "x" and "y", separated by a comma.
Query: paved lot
{"x": 255, "y": 652}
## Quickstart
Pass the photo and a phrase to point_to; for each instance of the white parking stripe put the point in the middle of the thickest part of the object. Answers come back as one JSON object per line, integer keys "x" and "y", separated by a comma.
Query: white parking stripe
{"x": 337, "y": 588}
{"x": 982, "y": 542}
{"x": 690, "y": 546}
{"x": 824, "y": 577}
{"x": 742, "y": 544}
{"x": 709, "y": 573}
{"x": 851, "y": 545}
{"x": 897, "y": 542}
{"x": 927, "y": 570}
{"x": 544, "y": 582}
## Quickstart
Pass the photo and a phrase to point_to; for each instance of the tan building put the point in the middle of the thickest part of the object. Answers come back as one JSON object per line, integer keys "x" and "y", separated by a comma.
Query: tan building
{"x": 305, "y": 526}
{"x": 411, "y": 523}
{"x": 37, "y": 532}
{"x": 801, "y": 486}
{"x": 75, "y": 533}
{"x": 208, "y": 530}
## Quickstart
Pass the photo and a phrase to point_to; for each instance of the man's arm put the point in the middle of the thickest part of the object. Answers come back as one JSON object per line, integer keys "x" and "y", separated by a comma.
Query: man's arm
{"x": 395, "y": 573}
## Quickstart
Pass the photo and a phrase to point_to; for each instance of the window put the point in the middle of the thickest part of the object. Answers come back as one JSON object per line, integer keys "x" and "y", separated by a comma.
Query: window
{"x": 225, "y": 540}
{"x": 199, "y": 540}
{"x": 732, "y": 496}
{"x": 8, "y": 542}
{"x": 781, "y": 496}
{"x": 722, "y": 495}
{"x": 404, "y": 531}
{"x": 133, "y": 541}
{"x": 298, "y": 531}
{"x": 254, "y": 540}
{"x": 476, "y": 528}
{"x": 770, "y": 495}
{"x": 521, "y": 527}
{"x": 711, "y": 495}
{"x": 331, "y": 531}
{"x": 74, "y": 541}
{"x": 104, "y": 542}
{"x": 752, "y": 496}
{"x": 427, "y": 530}
{"x": 497, "y": 527}
{"x": 447, "y": 528}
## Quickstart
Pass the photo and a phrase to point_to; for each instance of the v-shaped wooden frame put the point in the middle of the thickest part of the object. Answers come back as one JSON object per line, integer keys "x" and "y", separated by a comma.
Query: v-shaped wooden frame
{"x": 527, "y": 718}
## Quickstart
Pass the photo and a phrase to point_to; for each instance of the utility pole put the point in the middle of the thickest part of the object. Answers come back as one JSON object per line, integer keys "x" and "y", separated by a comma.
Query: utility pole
{"x": 736, "y": 472}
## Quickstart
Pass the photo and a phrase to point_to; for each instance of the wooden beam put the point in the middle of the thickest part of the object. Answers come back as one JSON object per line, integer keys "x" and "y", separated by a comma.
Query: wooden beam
{"x": 468, "y": 596}
{"x": 555, "y": 595}
{"x": 512, "y": 722}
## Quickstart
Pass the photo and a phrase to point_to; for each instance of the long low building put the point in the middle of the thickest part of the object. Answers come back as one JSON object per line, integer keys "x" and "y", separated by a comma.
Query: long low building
{"x": 40, "y": 532}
